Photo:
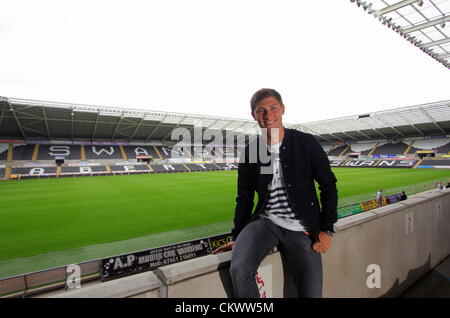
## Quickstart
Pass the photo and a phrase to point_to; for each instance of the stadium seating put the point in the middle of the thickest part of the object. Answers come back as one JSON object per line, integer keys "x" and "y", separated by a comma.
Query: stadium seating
{"x": 89, "y": 160}
{"x": 129, "y": 168}
{"x": 326, "y": 147}
{"x": 70, "y": 152}
{"x": 225, "y": 153}
{"x": 227, "y": 166}
{"x": 201, "y": 166}
{"x": 83, "y": 170}
{"x": 445, "y": 149}
{"x": 4, "y": 152}
{"x": 103, "y": 152}
{"x": 132, "y": 151}
{"x": 441, "y": 145}
{"x": 362, "y": 148}
{"x": 35, "y": 171}
{"x": 169, "y": 168}
{"x": 173, "y": 152}
{"x": 23, "y": 152}
{"x": 375, "y": 163}
{"x": 337, "y": 151}
{"x": 336, "y": 162}
{"x": 398, "y": 148}
{"x": 435, "y": 163}
{"x": 198, "y": 152}
{"x": 359, "y": 163}
{"x": 407, "y": 163}
{"x": 114, "y": 159}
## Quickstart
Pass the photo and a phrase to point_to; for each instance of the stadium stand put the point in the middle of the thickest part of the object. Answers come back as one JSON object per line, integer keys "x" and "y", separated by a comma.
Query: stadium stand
{"x": 200, "y": 152}
{"x": 133, "y": 151}
{"x": 169, "y": 168}
{"x": 397, "y": 148}
{"x": 23, "y": 152}
{"x": 173, "y": 152}
{"x": 129, "y": 168}
{"x": 407, "y": 163}
{"x": 4, "y": 152}
{"x": 441, "y": 145}
{"x": 436, "y": 163}
{"x": 444, "y": 149}
{"x": 97, "y": 142}
{"x": 103, "y": 152}
{"x": 359, "y": 163}
{"x": 397, "y": 163}
{"x": 201, "y": 166}
{"x": 84, "y": 170}
{"x": 337, "y": 151}
{"x": 362, "y": 148}
{"x": 227, "y": 166}
{"x": 326, "y": 147}
{"x": 226, "y": 152}
{"x": 2, "y": 173}
{"x": 48, "y": 152}
{"x": 34, "y": 171}
{"x": 336, "y": 162}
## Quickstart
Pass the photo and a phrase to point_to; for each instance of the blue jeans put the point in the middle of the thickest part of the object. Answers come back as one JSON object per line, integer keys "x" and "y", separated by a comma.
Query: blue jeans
{"x": 256, "y": 240}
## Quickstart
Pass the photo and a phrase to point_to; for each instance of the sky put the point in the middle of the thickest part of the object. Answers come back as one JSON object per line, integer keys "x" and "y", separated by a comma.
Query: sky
{"x": 328, "y": 59}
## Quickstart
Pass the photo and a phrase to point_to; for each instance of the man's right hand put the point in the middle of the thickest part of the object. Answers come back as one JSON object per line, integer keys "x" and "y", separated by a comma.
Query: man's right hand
{"x": 224, "y": 248}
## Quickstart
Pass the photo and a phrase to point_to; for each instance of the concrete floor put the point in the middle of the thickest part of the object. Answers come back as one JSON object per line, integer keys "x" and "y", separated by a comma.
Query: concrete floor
{"x": 435, "y": 284}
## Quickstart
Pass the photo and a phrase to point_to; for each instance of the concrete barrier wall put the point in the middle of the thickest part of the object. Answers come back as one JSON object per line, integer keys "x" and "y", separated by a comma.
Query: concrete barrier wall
{"x": 136, "y": 286}
{"x": 379, "y": 253}
{"x": 405, "y": 240}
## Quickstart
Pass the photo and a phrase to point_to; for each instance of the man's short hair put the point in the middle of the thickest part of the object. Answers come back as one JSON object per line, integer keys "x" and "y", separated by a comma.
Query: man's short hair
{"x": 264, "y": 93}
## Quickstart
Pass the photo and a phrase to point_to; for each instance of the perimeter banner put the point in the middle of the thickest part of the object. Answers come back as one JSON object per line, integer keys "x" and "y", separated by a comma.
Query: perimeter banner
{"x": 149, "y": 260}
{"x": 393, "y": 198}
{"x": 349, "y": 210}
{"x": 372, "y": 204}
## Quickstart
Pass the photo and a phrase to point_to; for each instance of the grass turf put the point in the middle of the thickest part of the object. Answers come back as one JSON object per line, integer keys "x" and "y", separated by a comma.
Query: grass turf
{"x": 49, "y": 215}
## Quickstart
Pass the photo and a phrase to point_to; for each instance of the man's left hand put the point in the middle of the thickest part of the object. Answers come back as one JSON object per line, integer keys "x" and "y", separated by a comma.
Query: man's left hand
{"x": 323, "y": 243}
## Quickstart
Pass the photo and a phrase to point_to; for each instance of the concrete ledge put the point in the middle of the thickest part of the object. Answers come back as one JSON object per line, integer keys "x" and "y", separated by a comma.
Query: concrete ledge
{"x": 388, "y": 209}
{"x": 435, "y": 194}
{"x": 146, "y": 284}
{"x": 199, "y": 266}
{"x": 410, "y": 202}
{"x": 353, "y": 220}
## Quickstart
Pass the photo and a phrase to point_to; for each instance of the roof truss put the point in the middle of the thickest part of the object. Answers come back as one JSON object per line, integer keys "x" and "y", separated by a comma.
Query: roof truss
{"x": 424, "y": 23}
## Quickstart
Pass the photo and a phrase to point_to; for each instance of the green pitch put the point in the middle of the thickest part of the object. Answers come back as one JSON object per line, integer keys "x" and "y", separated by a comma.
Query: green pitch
{"x": 54, "y": 215}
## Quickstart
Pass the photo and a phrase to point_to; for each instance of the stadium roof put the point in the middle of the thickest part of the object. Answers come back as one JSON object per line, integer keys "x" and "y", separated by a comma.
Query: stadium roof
{"x": 424, "y": 23}
{"x": 431, "y": 119}
{"x": 31, "y": 119}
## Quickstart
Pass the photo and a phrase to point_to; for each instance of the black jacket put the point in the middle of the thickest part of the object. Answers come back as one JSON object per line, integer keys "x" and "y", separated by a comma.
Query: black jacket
{"x": 302, "y": 161}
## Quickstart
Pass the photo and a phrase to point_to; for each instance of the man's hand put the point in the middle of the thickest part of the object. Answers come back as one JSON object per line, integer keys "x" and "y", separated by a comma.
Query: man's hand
{"x": 224, "y": 248}
{"x": 323, "y": 242}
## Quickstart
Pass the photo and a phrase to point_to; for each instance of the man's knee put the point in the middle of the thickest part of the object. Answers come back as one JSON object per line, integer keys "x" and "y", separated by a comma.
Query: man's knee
{"x": 241, "y": 269}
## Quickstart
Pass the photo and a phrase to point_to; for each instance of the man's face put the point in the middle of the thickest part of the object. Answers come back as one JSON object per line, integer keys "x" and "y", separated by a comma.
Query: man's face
{"x": 268, "y": 113}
